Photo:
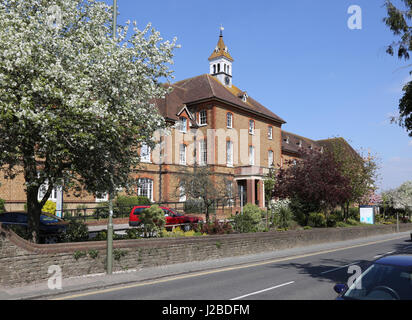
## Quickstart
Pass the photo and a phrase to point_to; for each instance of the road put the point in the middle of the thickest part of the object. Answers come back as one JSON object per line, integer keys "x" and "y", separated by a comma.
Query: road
{"x": 304, "y": 277}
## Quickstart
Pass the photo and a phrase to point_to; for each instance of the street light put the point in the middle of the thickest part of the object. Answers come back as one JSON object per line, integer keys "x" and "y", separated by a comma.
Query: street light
{"x": 110, "y": 222}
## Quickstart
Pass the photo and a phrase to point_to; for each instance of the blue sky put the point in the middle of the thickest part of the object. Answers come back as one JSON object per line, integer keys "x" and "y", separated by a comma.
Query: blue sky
{"x": 299, "y": 59}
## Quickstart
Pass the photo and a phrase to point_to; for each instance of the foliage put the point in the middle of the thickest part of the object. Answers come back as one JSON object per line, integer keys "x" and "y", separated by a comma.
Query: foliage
{"x": 93, "y": 254}
{"x": 119, "y": 253}
{"x": 401, "y": 197}
{"x": 216, "y": 227}
{"x": 249, "y": 220}
{"x": 398, "y": 20}
{"x": 76, "y": 231}
{"x": 314, "y": 183}
{"x": 79, "y": 254}
{"x": 201, "y": 184}
{"x": 152, "y": 220}
{"x": 76, "y": 97}
{"x": 49, "y": 207}
{"x": 178, "y": 232}
{"x": 284, "y": 219}
{"x": 2, "y": 205}
{"x": 317, "y": 220}
{"x": 359, "y": 171}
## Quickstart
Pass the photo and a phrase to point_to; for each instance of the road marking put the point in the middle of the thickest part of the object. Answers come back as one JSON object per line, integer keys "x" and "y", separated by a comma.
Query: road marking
{"x": 264, "y": 290}
{"x": 199, "y": 274}
{"x": 336, "y": 269}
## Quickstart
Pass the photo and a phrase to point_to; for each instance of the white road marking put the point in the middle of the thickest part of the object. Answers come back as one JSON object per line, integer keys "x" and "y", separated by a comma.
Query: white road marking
{"x": 264, "y": 290}
{"x": 339, "y": 268}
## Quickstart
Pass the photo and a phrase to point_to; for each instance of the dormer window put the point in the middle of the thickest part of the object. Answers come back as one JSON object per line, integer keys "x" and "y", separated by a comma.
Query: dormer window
{"x": 287, "y": 140}
{"x": 300, "y": 143}
{"x": 183, "y": 124}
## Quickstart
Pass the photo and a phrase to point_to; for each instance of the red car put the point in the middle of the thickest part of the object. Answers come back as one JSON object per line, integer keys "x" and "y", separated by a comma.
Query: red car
{"x": 172, "y": 218}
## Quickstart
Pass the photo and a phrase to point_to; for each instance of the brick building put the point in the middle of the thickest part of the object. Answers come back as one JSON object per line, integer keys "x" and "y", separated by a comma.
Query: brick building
{"x": 212, "y": 122}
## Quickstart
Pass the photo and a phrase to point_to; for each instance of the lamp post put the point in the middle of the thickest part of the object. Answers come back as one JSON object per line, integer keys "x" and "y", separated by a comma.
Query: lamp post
{"x": 110, "y": 222}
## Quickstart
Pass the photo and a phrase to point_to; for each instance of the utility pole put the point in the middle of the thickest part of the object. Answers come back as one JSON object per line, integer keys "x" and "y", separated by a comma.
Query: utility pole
{"x": 110, "y": 223}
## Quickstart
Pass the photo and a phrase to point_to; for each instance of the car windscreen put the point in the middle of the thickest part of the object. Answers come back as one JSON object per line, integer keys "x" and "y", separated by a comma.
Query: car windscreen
{"x": 138, "y": 211}
{"x": 382, "y": 282}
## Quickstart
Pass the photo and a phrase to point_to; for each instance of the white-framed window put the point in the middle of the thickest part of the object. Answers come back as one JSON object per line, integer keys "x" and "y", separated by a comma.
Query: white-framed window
{"x": 229, "y": 153}
{"x": 252, "y": 155}
{"x": 229, "y": 120}
{"x": 270, "y": 132}
{"x": 145, "y": 188}
{"x": 145, "y": 152}
{"x": 42, "y": 192}
{"x": 251, "y": 126}
{"x": 182, "y": 154}
{"x": 203, "y": 118}
{"x": 203, "y": 152}
{"x": 270, "y": 159}
{"x": 103, "y": 198}
{"x": 183, "y": 124}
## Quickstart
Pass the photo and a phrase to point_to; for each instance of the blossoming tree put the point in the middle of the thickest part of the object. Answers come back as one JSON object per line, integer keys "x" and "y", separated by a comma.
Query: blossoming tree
{"x": 75, "y": 103}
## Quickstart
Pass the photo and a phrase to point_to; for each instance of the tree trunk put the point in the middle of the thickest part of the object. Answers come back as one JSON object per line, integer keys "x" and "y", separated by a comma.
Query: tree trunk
{"x": 33, "y": 214}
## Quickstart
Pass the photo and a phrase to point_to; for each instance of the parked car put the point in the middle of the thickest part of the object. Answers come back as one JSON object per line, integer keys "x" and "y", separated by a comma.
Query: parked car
{"x": 388, "y": 278}
{"x": 171, "y": 216}
{"x": 51, "y": 227}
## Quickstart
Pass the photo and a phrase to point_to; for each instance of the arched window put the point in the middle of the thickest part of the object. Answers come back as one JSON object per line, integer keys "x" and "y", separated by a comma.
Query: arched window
{"x": 218, "y": 67}
{"x": 214, "y": 68}
{"x": 228, "y": 70}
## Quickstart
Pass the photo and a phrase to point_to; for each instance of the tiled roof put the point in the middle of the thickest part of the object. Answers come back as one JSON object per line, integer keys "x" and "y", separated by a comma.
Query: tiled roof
{"x": 206, "y": 87}
{"x": 294, "y": 143}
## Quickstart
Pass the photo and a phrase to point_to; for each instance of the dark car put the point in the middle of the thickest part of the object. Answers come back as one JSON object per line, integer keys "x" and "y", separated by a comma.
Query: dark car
{"x": 172, "y": 218}
{"x": 388, "y": 278}
{"x": 51, "y": 227}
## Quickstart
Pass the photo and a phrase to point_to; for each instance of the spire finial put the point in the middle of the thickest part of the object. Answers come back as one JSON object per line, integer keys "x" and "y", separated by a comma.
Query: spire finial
{"x": 221, "y": 30}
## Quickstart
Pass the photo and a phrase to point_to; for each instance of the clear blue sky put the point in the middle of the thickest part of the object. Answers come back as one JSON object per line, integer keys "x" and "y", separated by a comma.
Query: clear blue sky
{"x": 299, "y": 59}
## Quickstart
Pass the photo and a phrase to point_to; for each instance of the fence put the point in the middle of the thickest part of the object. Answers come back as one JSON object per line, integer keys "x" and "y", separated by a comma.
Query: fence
{"x": 219, "y": 207}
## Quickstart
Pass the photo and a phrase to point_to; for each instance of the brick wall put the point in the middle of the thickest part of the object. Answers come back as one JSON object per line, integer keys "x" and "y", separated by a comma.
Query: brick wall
{"x": 24, "y": 263}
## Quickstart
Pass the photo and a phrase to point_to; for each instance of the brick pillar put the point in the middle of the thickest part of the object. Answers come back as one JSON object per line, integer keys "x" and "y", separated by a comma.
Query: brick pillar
{"x": 251, "y": 194}
{"x": 261, "y": 194}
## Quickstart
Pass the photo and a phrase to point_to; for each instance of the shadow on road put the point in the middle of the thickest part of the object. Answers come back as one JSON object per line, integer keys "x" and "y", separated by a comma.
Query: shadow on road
{"x": 337, "y": 270}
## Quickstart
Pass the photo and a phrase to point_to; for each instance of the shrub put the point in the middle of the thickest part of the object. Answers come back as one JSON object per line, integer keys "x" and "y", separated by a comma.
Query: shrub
{"x": 354, "y": 213}
{"x": 353, "y": 222}
{"x": 307, "y": 228}
{"x": 77, "y": 231}
{"x": 332, "y": 220}
{"x": 341, "y": 224}
{"x": 2, "y": 205}
{"x": 133, "y": 233}
{"x": 216, "y": 228}
{"x": 284, "y": 217}
{"x": 153, "y": 220}
{"x": 317, "y": 220}
{"x": 49, "y": 207}
{"x": 249, "y": 220}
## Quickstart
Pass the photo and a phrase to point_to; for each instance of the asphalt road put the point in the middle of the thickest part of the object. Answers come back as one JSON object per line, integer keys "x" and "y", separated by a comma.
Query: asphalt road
{"x": 305, "y": 277}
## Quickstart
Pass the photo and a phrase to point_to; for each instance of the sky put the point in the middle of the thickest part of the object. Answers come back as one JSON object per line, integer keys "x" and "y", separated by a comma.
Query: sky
{"x": 300, "y": 59}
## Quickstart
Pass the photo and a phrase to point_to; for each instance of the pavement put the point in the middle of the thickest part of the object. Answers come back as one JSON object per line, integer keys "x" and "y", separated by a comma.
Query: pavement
{"x": 76, "y": 285}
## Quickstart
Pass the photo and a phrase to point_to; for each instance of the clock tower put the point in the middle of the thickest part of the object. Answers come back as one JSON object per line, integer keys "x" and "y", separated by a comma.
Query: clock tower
{"x": 221, "y": 62}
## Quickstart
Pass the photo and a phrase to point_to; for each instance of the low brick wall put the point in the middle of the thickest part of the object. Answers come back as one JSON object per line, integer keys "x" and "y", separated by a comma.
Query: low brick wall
{"x": 23, "y": 263}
